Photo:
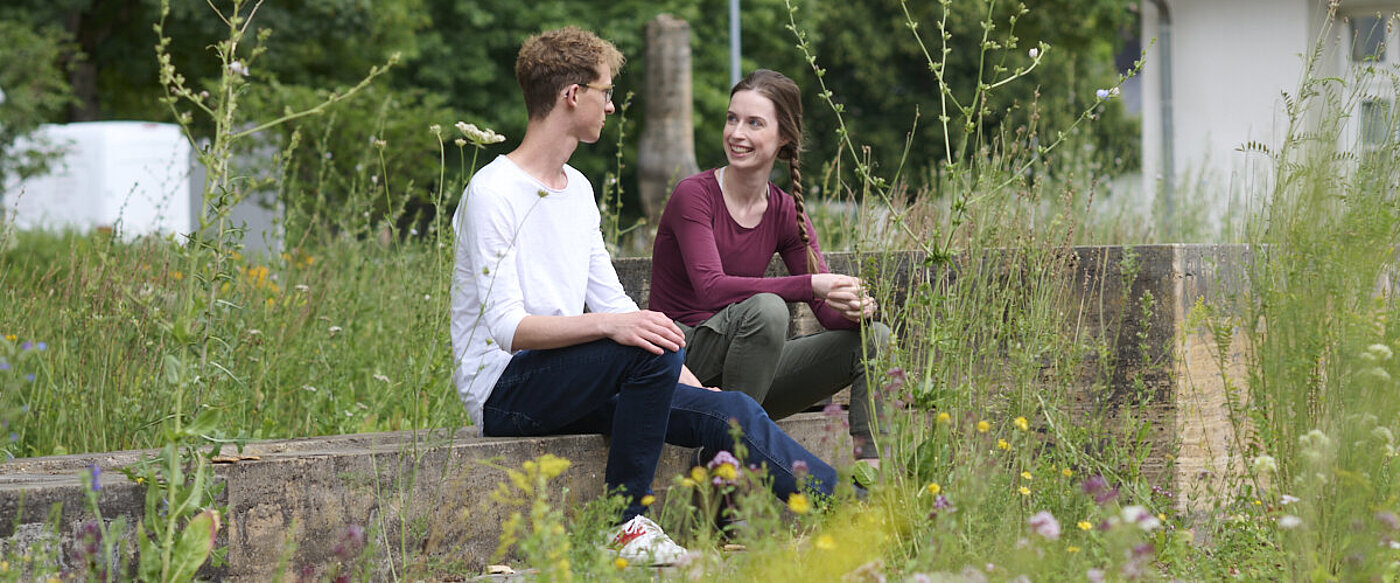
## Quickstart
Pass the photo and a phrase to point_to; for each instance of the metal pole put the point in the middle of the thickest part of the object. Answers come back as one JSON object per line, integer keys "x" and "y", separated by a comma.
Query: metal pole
{"x": 733, "y": 42}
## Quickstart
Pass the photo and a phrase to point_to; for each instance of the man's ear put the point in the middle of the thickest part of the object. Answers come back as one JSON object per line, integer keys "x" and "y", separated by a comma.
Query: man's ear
{"x": 571, "y": 95}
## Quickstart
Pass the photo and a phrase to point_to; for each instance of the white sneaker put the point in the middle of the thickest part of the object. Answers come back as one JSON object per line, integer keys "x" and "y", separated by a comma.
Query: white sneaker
{"x": 642, "y": 542}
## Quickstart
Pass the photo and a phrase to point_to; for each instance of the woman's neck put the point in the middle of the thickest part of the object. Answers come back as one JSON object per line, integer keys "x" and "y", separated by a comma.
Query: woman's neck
{"x": 743, "y": 187}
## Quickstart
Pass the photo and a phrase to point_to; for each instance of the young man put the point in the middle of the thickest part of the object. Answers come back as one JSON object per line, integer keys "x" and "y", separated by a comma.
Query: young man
{"x": 530, "y": 257}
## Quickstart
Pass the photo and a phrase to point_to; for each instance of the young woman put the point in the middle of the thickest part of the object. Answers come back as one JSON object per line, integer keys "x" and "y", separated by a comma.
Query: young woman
{"x": 717, "y": 235}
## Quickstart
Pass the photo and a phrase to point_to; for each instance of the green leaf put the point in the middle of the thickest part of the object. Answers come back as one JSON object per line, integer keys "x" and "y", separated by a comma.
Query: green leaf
{"x": 194, "y": 546}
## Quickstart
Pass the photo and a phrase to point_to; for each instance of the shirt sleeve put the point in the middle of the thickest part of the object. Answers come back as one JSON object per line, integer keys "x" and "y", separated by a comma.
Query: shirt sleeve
{"x": 491, "y": 225}
{"x": 605, "y": 293}
{"x": 693, "y": 224}
{"x": 794, "y": 255}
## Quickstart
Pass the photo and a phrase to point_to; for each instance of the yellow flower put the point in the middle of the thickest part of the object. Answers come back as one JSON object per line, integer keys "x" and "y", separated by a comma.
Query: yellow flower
{"x": 798, "y": 503}
{"x": 1022, "y": 424}
{"x": 1258, "y": 503}
{"x": 648, "y": 500}
{"x": 934, "y": 488}
{"x": 944, "y": 418}
{"x": 1003, "y": 445}
{"x": 177, "y": 276}
{"x": 1085, "y": 525}
{"x": 983, "y": 426}
{"x": 698, "y": 474}
{"x": 1024, "y": 491}
{"x": 1071, "y": 549}
{"x": 4, "y": 566}
{"x": 620, "y": 563}
{"x": 1025, "y": 475}
{"x": 726, "y": 472}
{"x": 1162, "y": 516}
{"x": 271, "y": 302}
{"x": 825, "y": 542}
{"x": 1067, "y": 472}
{"x": 12, "y": 337}
{"x": 689, "y": 483}
{"x": 140, "y": 480}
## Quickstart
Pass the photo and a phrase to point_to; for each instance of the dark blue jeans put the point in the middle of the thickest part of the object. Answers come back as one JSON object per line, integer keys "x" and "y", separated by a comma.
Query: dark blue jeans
{"x": 632, "y": 395}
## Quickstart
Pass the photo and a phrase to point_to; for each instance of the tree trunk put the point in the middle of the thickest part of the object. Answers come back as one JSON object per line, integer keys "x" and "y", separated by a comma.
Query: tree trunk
{"x": 666, "y": 151}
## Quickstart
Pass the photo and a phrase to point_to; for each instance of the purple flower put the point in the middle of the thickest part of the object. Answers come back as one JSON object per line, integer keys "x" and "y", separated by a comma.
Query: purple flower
{"x": 1388, "y": 519}
{"x": 1044, "y": 524}
{"x": 1095, "y": 575}
{"x": 4, "y": 365}
{"x": 799, "y": 468}
{"x": 29, "y": 377}
{"x": 832, "y": 409}
{"x": 27, "y": 345}
{"x": 96, "y": 473}
{"x": 350, "y": 543}
{"x": 1094, "y": 485}
{"x": 43, "y": 346}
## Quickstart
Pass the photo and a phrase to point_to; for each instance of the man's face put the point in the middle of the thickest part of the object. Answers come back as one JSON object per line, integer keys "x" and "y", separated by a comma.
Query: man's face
{"x": 594, "y": 105}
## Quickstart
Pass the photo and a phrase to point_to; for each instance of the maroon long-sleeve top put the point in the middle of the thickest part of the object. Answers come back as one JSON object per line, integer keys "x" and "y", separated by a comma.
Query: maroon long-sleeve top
{"x": 703, "y": 260}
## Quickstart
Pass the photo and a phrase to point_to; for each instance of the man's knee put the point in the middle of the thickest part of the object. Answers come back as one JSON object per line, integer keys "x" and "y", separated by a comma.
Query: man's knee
{"x": 767, "y": 313}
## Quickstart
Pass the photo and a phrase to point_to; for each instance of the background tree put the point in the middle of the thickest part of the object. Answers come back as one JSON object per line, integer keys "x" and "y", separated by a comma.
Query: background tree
{"x": 458, "y": 58}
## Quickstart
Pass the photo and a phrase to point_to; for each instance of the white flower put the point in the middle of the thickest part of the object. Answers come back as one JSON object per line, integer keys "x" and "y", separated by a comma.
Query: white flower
{"x": 308, "y": 388}
{"x": 479, "y": 136}
{"x": 238, "y": 68}
{"x": 301, "y": 287}
{"x": 1265, "y": 464}
{"x": 1141, "y": 517}
{"x": 381, "y": 378}
{"x": 335, "y": 329}
{"x": 1034, "y": 53}
{"x": 1380, "y": 351}
{"x": 1288, "y": 522}
{"x": 1286, "y": 499}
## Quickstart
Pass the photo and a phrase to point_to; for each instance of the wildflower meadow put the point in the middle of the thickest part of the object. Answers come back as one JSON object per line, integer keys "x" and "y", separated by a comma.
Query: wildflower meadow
{"x": 187, "y": 345}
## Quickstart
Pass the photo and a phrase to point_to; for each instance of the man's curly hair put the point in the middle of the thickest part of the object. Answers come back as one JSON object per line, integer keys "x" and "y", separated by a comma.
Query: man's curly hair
{"x": 552, "y": 60}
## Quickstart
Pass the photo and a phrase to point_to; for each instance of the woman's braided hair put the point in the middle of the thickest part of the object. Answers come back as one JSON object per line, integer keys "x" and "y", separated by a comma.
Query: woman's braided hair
{"x": 787, "y": 103}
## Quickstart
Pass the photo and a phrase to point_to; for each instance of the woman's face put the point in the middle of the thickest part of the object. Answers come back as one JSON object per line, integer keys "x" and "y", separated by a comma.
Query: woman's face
{"x": 751, "y": 137}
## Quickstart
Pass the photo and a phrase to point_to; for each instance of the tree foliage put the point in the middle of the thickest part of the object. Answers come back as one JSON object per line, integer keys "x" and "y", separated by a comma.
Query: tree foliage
{"x": 35, "y": 91}
{"x": 458, "y": 58}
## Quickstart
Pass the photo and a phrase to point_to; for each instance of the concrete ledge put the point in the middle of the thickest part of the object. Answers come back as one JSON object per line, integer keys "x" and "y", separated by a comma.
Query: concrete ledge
{"x": 428, "y": 488}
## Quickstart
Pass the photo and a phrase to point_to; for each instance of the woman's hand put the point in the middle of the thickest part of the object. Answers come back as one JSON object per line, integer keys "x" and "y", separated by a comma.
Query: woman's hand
{"x": 823, "y": 284}
{"x": 852, "y": 303}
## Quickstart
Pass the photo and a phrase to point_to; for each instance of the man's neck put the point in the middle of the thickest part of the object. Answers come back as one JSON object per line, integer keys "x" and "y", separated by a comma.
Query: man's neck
{"x": 544, "y": 151}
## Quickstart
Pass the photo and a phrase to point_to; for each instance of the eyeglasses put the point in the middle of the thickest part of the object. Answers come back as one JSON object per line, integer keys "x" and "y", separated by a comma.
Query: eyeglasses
{"x": 606, "y": 89}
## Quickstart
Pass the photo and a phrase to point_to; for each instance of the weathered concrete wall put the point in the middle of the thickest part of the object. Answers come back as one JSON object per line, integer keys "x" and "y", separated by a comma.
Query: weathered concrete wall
{"x": 294, "y": 501}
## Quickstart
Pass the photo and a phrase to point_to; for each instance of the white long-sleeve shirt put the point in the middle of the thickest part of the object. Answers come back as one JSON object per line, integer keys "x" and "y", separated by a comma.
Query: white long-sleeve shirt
{"x": 522, "y": 249}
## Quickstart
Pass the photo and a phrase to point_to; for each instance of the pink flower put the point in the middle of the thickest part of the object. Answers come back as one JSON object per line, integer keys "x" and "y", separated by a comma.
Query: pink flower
{"x": 1044, "y": 524}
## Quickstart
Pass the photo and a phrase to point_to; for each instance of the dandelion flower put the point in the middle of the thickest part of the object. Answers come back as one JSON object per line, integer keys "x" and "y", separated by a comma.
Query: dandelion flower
{"x": 1022, "y": 424}
{"x": 648, "y": 500}
{"x": 933, "y": 488}
{"x": 698, "y": 474}
{"x": 944, "y": 418}
{"x": 1085, "y": 525}
{"x": 825, "y": 542}
{"x": 983, "y": 426}
{"x": 1067, "y": 472}
{"x": 620, "y": 563}
{"x": 799, "y": 503}
{"x": 1071, "y": 550}
{"x": 1026, "y": 475}
{"x": 1003, "y": 445}
{"x": 1024, "y": 491}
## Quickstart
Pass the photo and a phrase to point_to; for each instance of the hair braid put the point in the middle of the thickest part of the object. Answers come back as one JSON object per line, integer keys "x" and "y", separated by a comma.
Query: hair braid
{"x": 795, "y": 171}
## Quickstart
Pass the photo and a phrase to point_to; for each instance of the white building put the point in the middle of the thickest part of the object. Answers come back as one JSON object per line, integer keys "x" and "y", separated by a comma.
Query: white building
{"x": 1214, "y": 78}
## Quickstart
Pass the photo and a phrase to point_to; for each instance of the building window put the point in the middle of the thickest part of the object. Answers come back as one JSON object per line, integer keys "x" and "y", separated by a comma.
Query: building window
{"x": 1375, "y": 123}
{"x": 1368, "y": 38}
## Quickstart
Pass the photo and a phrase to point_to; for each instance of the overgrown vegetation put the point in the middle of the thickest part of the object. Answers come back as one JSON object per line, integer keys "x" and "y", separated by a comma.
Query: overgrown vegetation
{"x": 1018, "y": 435}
